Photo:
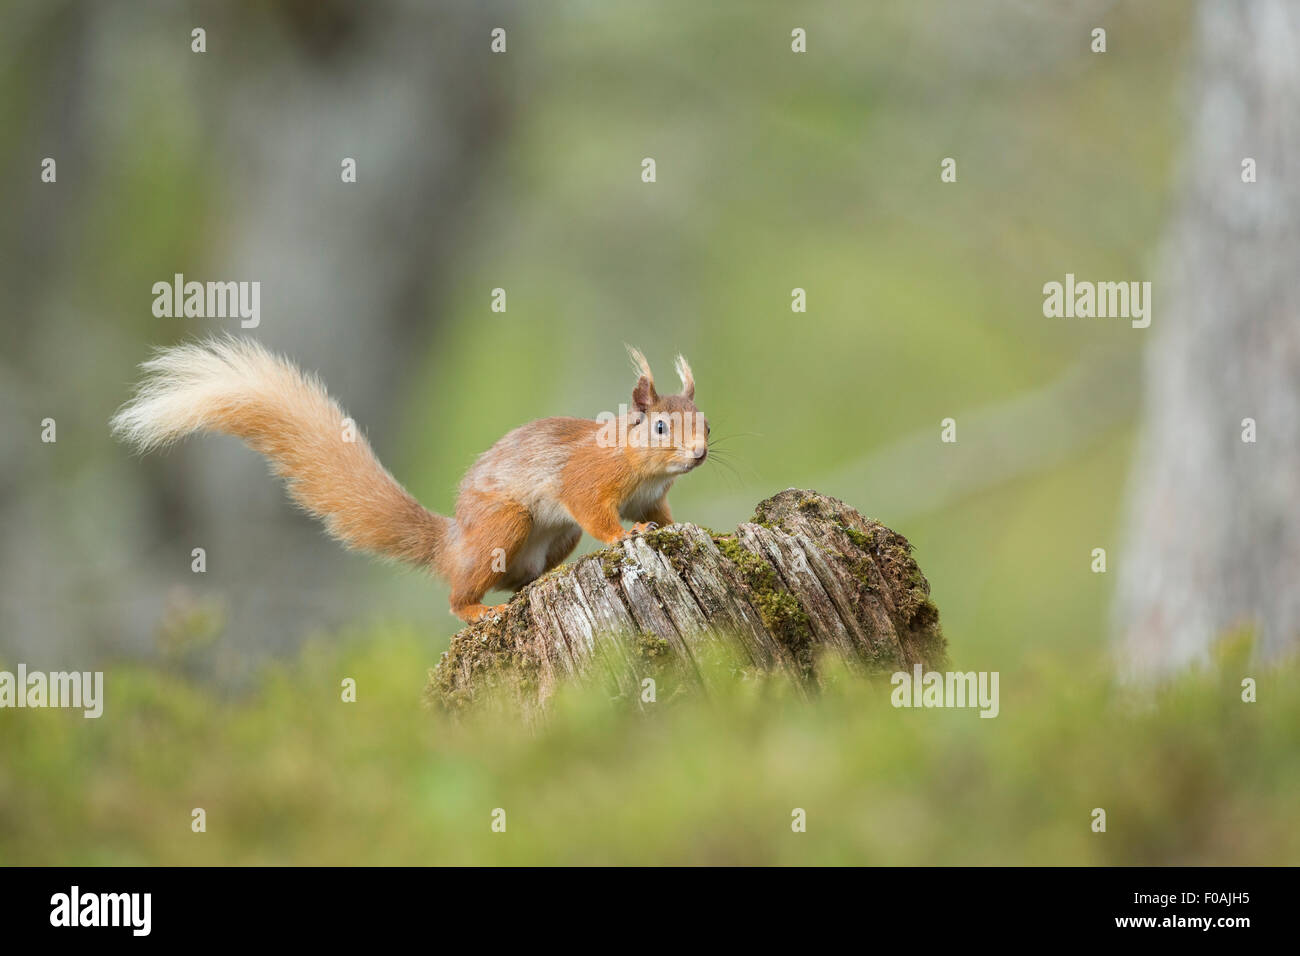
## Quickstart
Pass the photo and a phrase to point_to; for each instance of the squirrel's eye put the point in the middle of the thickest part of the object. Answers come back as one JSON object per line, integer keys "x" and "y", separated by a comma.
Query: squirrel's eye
{"x": 661, "y": 427}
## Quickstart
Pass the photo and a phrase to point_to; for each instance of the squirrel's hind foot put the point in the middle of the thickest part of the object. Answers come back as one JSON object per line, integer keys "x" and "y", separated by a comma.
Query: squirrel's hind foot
{"x": 473, "y": 613}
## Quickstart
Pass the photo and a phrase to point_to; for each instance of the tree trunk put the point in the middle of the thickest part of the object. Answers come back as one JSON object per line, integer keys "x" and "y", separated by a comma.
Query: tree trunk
{"x": 1214, "y": 528}
{"x": 807, "y": 574}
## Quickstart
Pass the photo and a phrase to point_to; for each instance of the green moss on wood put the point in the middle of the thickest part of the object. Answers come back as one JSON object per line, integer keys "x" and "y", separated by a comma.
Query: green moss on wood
{"x": 781, "y": 613}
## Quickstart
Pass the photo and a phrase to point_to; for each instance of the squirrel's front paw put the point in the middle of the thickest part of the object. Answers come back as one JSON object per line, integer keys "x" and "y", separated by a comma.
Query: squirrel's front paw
{"x": 638, "y": 528}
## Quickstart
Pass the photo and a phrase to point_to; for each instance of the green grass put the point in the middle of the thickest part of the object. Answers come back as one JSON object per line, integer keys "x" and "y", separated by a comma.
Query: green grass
{"x": 289, "y": 773}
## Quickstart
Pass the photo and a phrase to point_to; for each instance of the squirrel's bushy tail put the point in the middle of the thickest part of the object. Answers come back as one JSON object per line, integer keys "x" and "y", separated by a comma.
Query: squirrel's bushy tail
{"x": 236, "y": 387}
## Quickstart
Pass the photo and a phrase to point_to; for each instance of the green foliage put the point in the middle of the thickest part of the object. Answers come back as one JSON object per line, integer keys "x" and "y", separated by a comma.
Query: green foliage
{"x": 290, "y": 773}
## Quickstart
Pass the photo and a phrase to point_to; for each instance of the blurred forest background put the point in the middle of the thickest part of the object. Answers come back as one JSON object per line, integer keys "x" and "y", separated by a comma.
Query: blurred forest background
{"x": 775, "y": 171}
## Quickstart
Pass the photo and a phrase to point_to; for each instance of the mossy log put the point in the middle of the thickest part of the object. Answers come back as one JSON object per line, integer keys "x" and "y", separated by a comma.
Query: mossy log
{"x": 806, "y": 575}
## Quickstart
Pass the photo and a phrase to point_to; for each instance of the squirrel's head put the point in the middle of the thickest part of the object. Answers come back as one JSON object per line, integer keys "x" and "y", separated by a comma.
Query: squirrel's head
{"x": 669, "y": 434}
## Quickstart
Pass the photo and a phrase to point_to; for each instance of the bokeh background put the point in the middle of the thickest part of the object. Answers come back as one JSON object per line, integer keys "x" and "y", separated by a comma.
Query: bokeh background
{"x": 775, "y": 170}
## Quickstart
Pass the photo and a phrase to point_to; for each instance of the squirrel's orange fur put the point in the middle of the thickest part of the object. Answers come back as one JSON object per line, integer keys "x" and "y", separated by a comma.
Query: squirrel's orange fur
{"x": 522, "y": 506}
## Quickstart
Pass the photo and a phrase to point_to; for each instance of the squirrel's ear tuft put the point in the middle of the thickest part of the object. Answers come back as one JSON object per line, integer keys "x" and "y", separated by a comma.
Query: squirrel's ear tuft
{"x": 688, "y": 379}
{"x": 644, "y": 395}
{"x": 640, "y": 365}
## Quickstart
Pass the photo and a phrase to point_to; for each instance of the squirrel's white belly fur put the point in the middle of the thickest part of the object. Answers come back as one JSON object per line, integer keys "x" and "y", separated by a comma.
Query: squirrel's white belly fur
{"x": 530, "y": 562}
{"x": 636, "y": 507}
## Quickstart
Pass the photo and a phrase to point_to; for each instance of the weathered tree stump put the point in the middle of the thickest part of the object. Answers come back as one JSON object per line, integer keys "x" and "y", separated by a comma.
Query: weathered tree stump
{"x": 806, "y": 575}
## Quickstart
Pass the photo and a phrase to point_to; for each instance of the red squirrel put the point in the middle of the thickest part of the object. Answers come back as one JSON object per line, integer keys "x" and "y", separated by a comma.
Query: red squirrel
{"x": 521, "y": 507}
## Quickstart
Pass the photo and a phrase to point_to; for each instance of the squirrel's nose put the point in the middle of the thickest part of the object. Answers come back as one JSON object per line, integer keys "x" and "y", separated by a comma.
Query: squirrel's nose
{"x": 700, "y": 450}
